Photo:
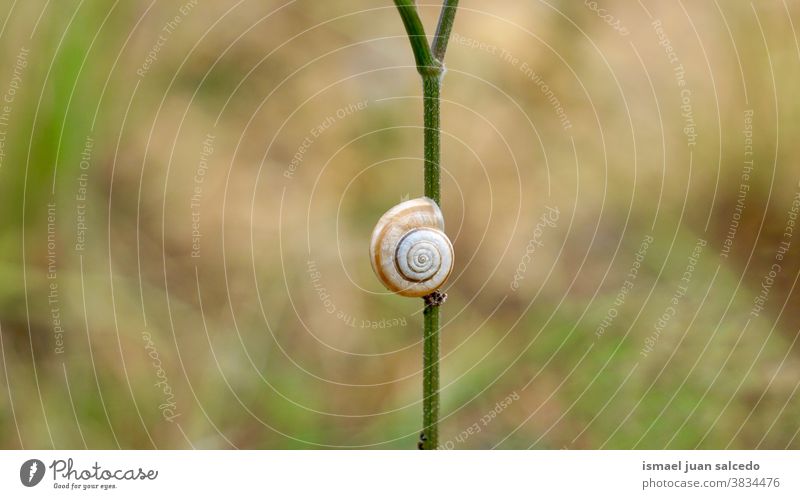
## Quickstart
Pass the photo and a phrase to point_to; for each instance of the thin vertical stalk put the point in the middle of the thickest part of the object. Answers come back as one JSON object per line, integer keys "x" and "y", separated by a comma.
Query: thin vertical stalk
{"x": 430, "y": 378}
{"x": 443, "y": 29}
{"x": 430, "y": 67}
{"x": 431, "y": 89}
{"x": 430, "y": 352}
{"x": 416, "y": 35}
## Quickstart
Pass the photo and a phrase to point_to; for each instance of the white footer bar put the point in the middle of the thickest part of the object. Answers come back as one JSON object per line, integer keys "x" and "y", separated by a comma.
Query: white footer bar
{"x": 406, "y": 474}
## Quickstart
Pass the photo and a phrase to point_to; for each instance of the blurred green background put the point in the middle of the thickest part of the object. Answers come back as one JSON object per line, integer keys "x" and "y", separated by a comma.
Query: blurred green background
{"x": 188, "y": 191}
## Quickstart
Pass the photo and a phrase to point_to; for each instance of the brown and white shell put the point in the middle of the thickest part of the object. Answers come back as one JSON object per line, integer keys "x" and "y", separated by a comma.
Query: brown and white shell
{"x": 409, "y": 251}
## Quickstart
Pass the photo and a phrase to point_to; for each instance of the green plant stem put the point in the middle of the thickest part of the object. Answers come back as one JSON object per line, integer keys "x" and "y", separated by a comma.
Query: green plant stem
{"x": 431, "y": 89}
{"x": 430, "y": 67}
{"x": 416, "y": 35}
{"x": 430, "y": 378}
{"x": 443, "y": 29}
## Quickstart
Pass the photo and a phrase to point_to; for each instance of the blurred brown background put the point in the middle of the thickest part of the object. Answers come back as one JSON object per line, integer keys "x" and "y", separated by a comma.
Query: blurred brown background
{"x": 188, "y": 191}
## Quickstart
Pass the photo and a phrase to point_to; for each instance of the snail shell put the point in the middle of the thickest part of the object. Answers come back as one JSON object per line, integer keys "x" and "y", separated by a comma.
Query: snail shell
{"x": 410, "y": 253}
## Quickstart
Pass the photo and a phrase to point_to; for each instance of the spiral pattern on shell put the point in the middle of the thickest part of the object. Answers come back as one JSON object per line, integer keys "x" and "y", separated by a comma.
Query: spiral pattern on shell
{"x": 410, "y": 253}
